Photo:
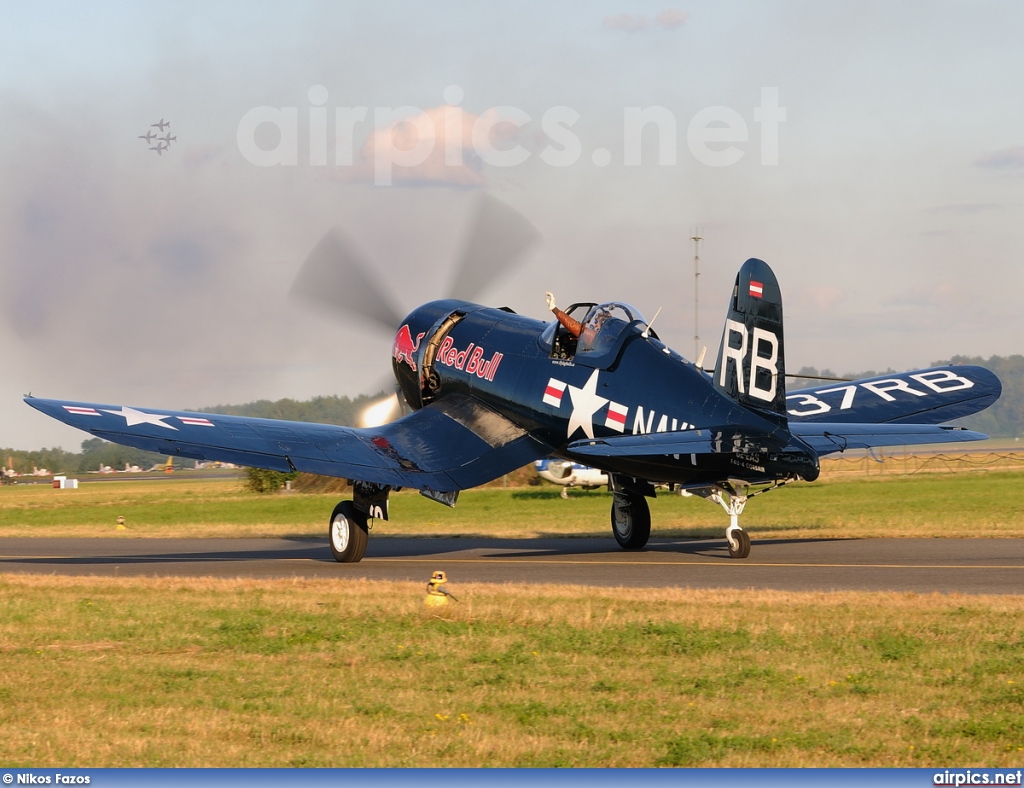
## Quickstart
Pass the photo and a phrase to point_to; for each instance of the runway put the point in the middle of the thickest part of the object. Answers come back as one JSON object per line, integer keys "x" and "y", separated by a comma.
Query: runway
{"x": 969, "y": 566}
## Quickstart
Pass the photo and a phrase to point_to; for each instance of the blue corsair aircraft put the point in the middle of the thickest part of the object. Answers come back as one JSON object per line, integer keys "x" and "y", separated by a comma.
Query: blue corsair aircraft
{"x": 492, "y": 391}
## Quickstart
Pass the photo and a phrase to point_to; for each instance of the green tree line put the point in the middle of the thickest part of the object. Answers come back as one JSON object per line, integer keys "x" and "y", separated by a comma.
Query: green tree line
{"x": 343, "y": 411}
{"x": 95, "y": 454}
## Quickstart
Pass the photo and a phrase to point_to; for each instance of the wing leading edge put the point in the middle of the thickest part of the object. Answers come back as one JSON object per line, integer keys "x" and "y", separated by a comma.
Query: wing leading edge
{"x": 456, "y": 444}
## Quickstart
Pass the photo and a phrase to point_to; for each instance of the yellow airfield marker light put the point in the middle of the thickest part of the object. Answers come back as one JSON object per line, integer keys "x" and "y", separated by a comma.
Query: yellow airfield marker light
{"x": 437, "y": 596}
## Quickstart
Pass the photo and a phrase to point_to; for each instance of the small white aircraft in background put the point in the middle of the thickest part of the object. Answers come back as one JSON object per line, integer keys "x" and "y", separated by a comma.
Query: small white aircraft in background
{"x": 570, "y": 474}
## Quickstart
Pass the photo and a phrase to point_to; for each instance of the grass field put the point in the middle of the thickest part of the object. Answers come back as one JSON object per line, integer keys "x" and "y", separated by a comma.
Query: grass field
{"x": 983, "y": 503}
{"x": 116, "y": 672}
{"x": 98, "y": 672}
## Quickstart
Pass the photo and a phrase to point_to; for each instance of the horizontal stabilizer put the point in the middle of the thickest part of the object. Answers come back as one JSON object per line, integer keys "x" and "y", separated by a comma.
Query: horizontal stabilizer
{"x": 925, "y": 396}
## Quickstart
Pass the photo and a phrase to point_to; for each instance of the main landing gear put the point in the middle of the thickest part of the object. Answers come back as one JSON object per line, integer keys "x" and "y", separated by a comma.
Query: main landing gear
{"x": 631, "y": 519}
{"x": 348, "y": 531}
{"x": 631, "y": 516}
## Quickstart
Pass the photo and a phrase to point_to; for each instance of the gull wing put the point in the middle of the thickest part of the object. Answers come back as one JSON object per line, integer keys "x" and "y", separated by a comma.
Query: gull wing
{"x": 448, "y": 446}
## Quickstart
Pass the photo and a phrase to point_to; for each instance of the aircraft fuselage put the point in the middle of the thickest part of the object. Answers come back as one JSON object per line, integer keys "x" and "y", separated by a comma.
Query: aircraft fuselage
{"x": 630, "y": 385}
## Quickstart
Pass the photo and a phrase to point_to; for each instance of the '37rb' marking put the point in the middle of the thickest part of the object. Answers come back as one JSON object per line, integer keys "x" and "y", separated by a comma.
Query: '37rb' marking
{"x": 939, "y": 381}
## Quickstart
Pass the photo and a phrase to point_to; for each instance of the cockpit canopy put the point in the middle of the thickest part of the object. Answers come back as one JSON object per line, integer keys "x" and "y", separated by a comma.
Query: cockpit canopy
{"x": 604, "y": 328}
{"x": 604, "y": 324}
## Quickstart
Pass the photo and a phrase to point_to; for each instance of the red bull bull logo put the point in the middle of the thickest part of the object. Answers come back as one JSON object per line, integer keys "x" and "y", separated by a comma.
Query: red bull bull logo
{"x": 404, "y": 348}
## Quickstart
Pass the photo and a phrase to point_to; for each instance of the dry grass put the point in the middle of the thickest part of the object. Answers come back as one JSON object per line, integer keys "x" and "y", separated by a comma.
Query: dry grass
{"x": 182, "y": 672}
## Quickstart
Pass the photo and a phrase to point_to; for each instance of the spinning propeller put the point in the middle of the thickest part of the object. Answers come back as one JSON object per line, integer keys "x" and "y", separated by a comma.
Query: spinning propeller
{"x": 335, "y": 276}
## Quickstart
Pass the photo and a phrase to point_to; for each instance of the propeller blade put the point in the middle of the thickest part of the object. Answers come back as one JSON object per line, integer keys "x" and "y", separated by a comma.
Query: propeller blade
{"x": 499, "y": 236}
{"x": 335, "y": 277}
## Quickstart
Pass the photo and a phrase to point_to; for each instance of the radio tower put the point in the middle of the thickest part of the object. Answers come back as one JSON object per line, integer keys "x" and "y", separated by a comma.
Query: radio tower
{"x": 696, "y": 238}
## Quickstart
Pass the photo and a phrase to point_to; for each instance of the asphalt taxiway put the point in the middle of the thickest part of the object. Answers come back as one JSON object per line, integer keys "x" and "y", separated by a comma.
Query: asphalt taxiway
{"x": 969, "y": 566}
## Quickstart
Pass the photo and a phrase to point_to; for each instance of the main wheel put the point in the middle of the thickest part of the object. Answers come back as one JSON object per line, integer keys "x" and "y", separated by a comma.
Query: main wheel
{"x": 741, "y": 549}
{"x": 347, "y": 534}
{"x": 631, "y": 520}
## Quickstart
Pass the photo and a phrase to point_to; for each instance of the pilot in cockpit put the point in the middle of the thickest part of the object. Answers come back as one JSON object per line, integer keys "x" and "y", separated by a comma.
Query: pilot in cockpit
{"x": 586, "y": 331}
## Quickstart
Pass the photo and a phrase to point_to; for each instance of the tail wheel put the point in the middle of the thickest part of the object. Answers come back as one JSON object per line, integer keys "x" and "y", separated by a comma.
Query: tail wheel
{"x": 348, "y": 534}
{"x": 631, "y": 520}
{"x": 739, "y": 543}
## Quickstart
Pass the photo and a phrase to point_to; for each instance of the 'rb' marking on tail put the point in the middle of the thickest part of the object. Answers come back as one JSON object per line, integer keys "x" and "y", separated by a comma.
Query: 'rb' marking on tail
{"x": 764, "y": 356}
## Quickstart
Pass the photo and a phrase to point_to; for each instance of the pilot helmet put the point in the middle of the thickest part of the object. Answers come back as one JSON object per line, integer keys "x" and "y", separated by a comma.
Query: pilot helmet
{"x": 601, "y": 314}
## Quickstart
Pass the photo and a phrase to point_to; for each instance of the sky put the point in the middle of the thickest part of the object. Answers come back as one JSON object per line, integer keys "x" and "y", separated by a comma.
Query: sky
{"x": 872, "y": 153}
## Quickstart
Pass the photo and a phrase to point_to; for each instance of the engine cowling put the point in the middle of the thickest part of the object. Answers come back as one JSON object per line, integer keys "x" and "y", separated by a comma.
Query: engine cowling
{"x": 416, "y": 343}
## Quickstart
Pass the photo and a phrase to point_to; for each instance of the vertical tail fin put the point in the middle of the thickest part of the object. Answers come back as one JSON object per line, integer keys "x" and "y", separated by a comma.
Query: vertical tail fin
{"x": 751, "y": 364}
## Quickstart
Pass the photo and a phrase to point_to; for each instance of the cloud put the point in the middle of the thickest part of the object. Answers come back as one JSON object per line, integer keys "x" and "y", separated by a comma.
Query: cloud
{"x": 668, "y": 19}
{"x": 433, "y": 147}
{"x": 1006, "y": 159}
{"x": 671, "y": 18}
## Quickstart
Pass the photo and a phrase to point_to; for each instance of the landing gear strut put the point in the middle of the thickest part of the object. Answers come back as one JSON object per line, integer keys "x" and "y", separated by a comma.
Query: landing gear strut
{"x": 732, "y": 500}
{"x": 733, "y": 496}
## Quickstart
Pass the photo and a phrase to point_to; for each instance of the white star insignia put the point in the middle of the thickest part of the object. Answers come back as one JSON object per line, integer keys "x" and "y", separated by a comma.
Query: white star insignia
{"x": 133, "y": 417}
{"x": 585, "y": 403}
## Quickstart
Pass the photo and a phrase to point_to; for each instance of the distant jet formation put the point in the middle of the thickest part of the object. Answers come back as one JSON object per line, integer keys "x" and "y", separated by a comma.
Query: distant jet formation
{"x": 164, "y": 142}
